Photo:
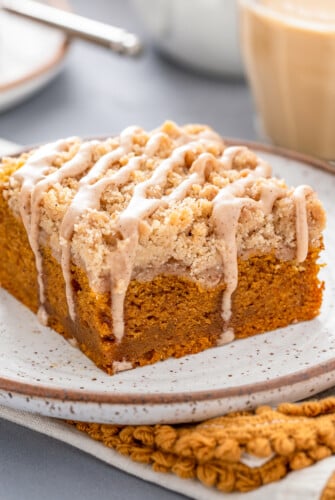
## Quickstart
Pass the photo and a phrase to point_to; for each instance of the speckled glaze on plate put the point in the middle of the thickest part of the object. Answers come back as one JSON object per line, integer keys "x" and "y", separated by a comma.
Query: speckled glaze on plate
{"x": 41, "y": 372}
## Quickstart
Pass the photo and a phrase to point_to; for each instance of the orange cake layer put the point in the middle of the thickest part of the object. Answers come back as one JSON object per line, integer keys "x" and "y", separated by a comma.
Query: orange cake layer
{"x": 151, "y": 245}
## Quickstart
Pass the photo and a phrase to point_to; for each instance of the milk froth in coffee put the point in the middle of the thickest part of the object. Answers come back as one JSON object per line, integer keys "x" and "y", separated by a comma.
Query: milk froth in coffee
{"x": 289, "y": 51}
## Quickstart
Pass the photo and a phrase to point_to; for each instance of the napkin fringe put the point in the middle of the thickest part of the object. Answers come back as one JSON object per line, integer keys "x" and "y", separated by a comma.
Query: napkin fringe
{"x": 291, "y": 437}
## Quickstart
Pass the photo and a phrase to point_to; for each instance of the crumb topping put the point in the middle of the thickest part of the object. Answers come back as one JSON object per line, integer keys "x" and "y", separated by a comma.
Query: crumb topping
{"x": 174, "y": 200}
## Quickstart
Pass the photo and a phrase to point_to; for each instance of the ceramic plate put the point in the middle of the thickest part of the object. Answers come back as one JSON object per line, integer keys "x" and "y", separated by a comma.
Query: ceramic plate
{"x": 41, "y": 372}
{"x": 31, "y": 56}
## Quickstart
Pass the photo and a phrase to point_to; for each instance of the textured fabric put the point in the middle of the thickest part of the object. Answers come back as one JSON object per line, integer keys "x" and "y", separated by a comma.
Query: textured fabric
{"x": 308, "y": 483}
{"x": 236, "y": 452}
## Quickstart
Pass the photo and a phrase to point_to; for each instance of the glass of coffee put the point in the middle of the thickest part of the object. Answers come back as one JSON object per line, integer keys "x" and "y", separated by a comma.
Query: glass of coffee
{"x": 289, "y": 52}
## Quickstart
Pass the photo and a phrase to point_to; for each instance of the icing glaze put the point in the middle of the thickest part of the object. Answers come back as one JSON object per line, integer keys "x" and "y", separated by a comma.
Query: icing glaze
{"x": 39, "y": 174}
{"x": 301, "y": 221}
{"x": 34, "y": 175}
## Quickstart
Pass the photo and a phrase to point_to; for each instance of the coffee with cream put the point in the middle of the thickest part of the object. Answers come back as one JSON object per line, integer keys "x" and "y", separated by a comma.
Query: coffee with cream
{"x": 289, "y": 51}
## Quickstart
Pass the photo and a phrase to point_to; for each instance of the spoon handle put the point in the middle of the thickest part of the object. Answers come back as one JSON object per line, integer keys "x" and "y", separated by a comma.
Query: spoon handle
{"x": 116, "y": 39}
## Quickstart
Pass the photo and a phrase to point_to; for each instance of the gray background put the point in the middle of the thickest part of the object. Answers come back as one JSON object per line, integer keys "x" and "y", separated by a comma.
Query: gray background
{"x": 99, "y": 93}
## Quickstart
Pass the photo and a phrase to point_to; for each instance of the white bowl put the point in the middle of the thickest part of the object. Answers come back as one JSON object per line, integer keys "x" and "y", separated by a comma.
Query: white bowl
{"x": 202, "y": 34}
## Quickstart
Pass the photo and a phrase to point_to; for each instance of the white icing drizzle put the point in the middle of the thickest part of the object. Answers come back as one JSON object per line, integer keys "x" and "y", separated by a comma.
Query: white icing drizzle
{"x": 74, "y": 342}
{"x": 35, "y": 171}
{"x": 226, "y": 337}
{"x": 88, "y": 196}
{"x": 123, "y": 258}
{"x": 227, "y": 206}
{"x": 42, "y": 315}
{"x": 36, "y": 178}
{"x": 121, "y": 366}
{"x": 299, "y": 196}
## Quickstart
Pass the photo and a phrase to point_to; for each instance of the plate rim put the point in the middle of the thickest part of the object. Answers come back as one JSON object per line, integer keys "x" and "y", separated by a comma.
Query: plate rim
{"x": 86, "y": 396}
{"x": 56, "y": 59}
{"x": 78, "y": 396}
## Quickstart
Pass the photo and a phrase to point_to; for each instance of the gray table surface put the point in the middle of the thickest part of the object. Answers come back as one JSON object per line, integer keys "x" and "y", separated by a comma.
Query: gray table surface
{"x": 96, "y": 94}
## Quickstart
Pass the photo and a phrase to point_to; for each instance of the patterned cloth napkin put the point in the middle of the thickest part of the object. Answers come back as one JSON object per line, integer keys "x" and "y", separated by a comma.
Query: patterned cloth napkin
{"x": 282, "y": 453}
{"x": 279, "y": 454}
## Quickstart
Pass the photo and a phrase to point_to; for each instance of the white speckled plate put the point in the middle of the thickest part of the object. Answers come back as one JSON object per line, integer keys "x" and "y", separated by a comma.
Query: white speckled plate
{"x": 41, "y": 372}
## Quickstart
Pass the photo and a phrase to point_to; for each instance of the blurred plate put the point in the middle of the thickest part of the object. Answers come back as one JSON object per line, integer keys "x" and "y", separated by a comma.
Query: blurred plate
{"x": 31, "y": 55}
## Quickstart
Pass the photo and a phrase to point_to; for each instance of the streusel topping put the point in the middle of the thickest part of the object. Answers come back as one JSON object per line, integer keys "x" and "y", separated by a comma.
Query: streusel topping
{"x": 173, "y": 201}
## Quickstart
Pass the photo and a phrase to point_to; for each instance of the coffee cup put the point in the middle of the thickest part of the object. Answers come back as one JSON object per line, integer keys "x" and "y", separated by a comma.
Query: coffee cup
{"x": 289, "y": 53}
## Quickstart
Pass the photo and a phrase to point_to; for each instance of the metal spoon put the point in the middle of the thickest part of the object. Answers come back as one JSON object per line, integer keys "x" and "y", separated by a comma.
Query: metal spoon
{"x": 116, "y": 39}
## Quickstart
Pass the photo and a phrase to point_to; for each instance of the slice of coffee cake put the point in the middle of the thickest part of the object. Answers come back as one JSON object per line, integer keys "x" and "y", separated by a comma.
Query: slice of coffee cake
{"x": 151, "y": 245}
